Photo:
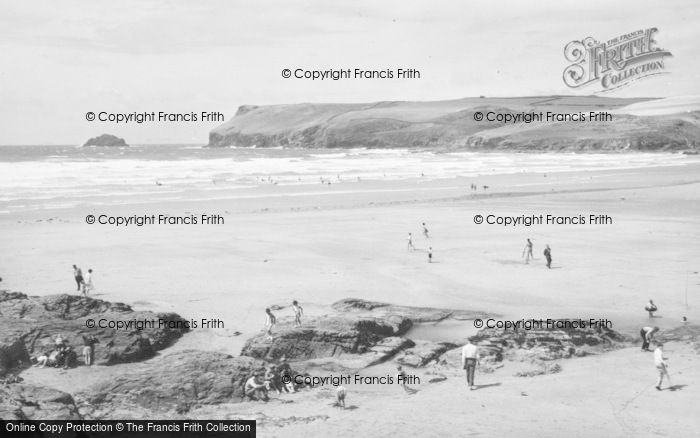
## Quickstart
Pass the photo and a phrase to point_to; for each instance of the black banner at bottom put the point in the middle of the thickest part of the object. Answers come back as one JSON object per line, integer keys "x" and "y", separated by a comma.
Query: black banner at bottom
{"x": 128, "y": 428}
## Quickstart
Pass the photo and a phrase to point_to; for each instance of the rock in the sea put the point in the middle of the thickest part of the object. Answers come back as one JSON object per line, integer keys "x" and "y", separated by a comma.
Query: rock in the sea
{"x": 171, "y": 384}
{"x": 106, "y": 140}
{"x": 19, "y": 401}
{"x": 29, "y": 325}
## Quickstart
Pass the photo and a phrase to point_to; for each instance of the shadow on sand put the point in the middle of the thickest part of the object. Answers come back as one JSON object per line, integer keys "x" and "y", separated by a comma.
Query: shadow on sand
{"x": 676, "y": 387}
{"x": 487, "y": 386}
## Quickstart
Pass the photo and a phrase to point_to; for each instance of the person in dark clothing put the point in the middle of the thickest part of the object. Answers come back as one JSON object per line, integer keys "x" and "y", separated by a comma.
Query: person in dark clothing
{"x": 548, "y": 256}
{"x": 647, "y": 333}
{"x": 89, "y": 349}
{"x": 78, "y": 274}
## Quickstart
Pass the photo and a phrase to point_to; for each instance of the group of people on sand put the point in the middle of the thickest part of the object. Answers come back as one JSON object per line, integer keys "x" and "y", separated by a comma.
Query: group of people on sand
{"x": 275, "y": 378}
{"x": 426, "y": 234}
{"x": 527, "y": 253}
{"x": 84, "y": 283}
{"x": 647, "y": 334}
{"x": 62, "y": 355}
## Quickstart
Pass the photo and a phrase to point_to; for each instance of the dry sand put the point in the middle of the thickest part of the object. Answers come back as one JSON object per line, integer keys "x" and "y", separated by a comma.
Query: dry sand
{"x": 351, "y": 242}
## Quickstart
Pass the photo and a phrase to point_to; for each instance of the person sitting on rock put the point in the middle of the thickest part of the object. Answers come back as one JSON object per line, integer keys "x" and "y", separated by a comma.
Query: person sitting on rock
{"x": 285, "y": 370}
{"x": 255, "y": 389}
{"x": 69, "y": 357}
{"x": 43, "y": 359}
{"x": 651, "y": 308}
{"x": 56, "y": 358}
{"x": 273, "y": 380}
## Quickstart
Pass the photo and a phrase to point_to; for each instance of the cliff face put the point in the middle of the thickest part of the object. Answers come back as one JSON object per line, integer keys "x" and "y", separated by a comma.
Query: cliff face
{"x": 452, "y": 125}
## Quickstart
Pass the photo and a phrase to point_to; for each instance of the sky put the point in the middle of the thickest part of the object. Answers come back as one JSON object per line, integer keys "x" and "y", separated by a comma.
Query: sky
{"x": 62, "y": 59}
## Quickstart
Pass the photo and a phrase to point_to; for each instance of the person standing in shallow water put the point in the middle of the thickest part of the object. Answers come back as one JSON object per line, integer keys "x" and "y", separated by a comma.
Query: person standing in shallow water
{"x": 425, "y": 231}
{"x": 548, "y": 256}
{"x": 651, "y": 308}
{"x": 410, "y": 242}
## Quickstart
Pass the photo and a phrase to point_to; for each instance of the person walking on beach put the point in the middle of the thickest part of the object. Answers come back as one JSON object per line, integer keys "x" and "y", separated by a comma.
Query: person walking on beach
{"x": 270, "y": 322}
{"x": 527, "y": 251}
{"x": 425, "y": 231}
{"x": 298, "y": 312}
{"x": 548, "y": 256}
{"x": 661, "y": 366}
{"x": 430, "y": 254}
{"x": 647, "y": 334}
{"x": 410, "y": 242}
{"x": 87, "y": 282}
{"x": 470, "y": 358}
{"x": 651, "y": 308}
{"x": 78, "y": 275}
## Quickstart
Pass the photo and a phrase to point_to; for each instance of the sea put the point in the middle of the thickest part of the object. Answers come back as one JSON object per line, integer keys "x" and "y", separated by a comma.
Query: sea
{"x": 42, "y": 177}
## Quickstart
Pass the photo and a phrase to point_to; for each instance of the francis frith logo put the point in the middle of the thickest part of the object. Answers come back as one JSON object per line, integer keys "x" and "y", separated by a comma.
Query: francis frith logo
{"x": 616, "y": 62}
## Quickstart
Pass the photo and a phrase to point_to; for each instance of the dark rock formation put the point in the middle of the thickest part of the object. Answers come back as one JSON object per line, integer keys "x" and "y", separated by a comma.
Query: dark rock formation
{"x": 422, "y": 353}
{"x": 326, "y": 337}
{"x": 544, "y": 343}
{"x": 361, "y": 333}
{"x": 170, "y": 384}
{"x": 29, "y": 325}
{"x": 19, "y": 401}
{"x": 415, "y": 314}
{"x": 106, "y": 140}
{"x": 454, "y": 124}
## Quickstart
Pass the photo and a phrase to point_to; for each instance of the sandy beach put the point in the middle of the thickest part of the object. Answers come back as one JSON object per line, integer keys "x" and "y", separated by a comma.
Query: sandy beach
{"x": 283, "y": 243}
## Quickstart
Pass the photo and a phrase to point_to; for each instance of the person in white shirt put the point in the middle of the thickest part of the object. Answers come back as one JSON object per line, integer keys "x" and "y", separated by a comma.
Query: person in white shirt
{"x": 410, "y": 241}
{"x": 470, "y": 359}
{"x": 87, "y": 282}
{"x": 661, "y": 366}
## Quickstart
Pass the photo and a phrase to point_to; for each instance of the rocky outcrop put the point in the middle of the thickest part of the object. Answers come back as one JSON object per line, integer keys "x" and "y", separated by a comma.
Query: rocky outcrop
{"x": 422, "y": 353}
{"x": 355, "y": 306}
{"x": 359, "y": 334}
{"x": 546, "y": 343}
{"x": 106, "y": 140}
{"x": 29, "y": 325}
{"x": 458, "y": 124}
{"x": 20, "y": 401}
{"x": 330, "y": 336}
{"x": 170, "y": 385}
